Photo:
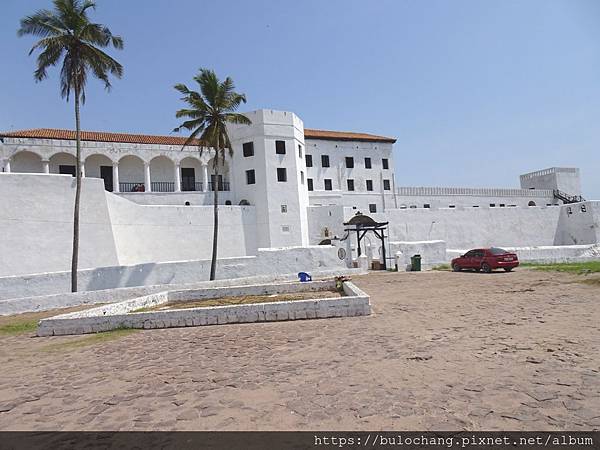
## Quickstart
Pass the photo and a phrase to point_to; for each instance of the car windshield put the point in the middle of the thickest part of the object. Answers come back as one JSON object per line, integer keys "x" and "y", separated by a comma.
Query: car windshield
{"x": 497, "y": 251}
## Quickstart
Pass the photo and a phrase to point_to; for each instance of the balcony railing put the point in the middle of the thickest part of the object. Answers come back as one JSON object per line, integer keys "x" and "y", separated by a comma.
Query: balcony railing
{"x": 132, "y": 187}
{"x": 223, "y": 186}
{"x": 162, "y": 186}
{"x": 187, "y": 186}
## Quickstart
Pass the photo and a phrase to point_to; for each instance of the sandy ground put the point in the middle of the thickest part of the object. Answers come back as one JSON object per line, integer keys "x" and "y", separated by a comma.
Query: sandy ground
{"x": 442, "y": 351}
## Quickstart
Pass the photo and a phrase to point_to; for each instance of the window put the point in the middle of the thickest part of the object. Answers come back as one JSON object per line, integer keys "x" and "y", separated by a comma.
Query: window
{"x": 386, "y": 185}
{"x": 502, "y": 205}
{"x": 284, "y": 209}
{"x": 367, "y": 163}
{"x": 327, "y": 184}
{"x": 492, "y": 205}
{"x": 302, "y": 176}
{"x": 325, "y": 160}
{"x": 250, "y": 176}
{"x": 451, "y": 206}
{"x": 281, "y": 174}
{"x": 308, "y": 160}
{"x": 350, "y": 184}
{"x": 309, "y": 183}
{"x": 369, "y": 185}
{"x": 280, "y": 147}
{"x": 300, "y": 151}
{"x": 349, "y": 162}
{"x": 426, "y": 206}
{"x": 372, "y": 208}
{"x": 248, "y": 149}
{"x": 285, "y": 228}
{"x": 385, "y": 162}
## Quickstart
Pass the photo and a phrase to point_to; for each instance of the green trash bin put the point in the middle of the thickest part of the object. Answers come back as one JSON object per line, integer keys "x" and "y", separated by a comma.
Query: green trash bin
{"x": 415, "y": 263}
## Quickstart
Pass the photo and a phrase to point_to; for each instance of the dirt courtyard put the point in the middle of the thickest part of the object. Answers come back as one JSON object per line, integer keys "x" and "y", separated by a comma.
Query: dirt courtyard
{"x": 442, "y": 351}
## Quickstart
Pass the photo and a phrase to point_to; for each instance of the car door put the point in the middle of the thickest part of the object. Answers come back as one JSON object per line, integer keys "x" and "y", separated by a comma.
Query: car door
{"x": 477, "y": 259}
{"x": 467, "y": 260}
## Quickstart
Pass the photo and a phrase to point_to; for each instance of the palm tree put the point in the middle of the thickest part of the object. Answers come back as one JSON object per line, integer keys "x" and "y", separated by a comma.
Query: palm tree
{"x": 67, "y": 34}
{"x": 209, "y": 112}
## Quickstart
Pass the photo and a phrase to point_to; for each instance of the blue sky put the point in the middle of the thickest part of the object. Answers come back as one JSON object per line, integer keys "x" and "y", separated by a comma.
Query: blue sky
{"x": 476, "y": 92}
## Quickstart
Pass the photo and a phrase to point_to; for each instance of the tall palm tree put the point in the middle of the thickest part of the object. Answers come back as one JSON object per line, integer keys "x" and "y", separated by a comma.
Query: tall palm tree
{"x": 68, "y": 35}
{"x": 208, "y": 114}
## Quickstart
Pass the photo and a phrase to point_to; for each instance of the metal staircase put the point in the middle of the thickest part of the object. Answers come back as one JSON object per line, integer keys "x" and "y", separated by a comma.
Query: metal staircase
{"x": 566, "y": 198}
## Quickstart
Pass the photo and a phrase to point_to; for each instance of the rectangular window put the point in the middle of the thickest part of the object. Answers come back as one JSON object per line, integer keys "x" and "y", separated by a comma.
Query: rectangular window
{"x": 492, "y": 205}
{"x": 284, "y": 209}
{"x": 426, "y": 206}
{"x": 280, "y": 147}
{"x": 309, "y": 183}
{"x": 350, "y": 183}
{"x": 308, "y": 160}
{"x": 372, "y": 207}
{"x": 327, "y": 184}
{"x": 349, "y": 162}
{"x": 300, "y": 151}
{"x": 386, "y": 185}
{"x": 248, "y": 149}
{"x": 325, "y": 160}
{"x": 250, "y": 176}
{"x": 285, "y": 228}
{"x": 302, "y": 176}
{"x": 385, "y": 163}
{"x": 367, "y": 163}
{"x": 281, "y": 174}
{"x": 369, "y": 185}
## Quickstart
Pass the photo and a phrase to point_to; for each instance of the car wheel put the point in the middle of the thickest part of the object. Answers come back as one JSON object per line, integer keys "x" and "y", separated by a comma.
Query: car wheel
{"x": 486, "y": 268}
{"x": 508, "y": 269}
{"x": 455, "y": 268}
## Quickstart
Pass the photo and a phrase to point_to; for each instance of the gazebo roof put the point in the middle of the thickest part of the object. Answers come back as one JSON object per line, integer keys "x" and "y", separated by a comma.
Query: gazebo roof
{"x": 362, "y": 221}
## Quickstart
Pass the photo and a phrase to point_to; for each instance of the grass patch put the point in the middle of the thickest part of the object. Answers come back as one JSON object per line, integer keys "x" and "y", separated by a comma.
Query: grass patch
{"x": 441, "y": 267}
{"x": 92, "y": 339}
{"x": 579, "y": 268}
{"x": 18, "y": 327}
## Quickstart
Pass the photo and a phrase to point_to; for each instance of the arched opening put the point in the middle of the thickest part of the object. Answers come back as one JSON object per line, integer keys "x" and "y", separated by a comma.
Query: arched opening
{"x": 26, "y": 162}
{"x": 191, "y": 174}
{"x": 244, "y": 202}
{"x": 325, "y": 242}
{"x": 100, "y": 166}
{"x": 222, "y": 180}
{"x": 531, "y": 203}
{"x": 162, "y": 174}
{"x": 63, "y": 163}
{"x": 228, "y": 202}
{"x": 131, "y": 174}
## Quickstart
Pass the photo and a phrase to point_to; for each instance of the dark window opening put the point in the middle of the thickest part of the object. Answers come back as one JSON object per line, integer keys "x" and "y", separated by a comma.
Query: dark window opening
{"x": 328, "y": 184}
{"x": 250, "y": 176}
{"x": 308, "y": 160}
{"x": 325, "y": 160}
{"x": 372, "y": 207}
{"x": 248, "y": 149}
{"x": 281, "y": 174}
{"x": 385, "y": 162}
{"x": 66, "y": 170}
{"x": 280, "y": 147}
{"x": 367, "y": 163}
{"x": 386, "y": 185}
{"x": 309, "y": 183}
{"x": 369, "y": 185}
{"x": 349, "y": 162}
{"x": 350, "y": 184}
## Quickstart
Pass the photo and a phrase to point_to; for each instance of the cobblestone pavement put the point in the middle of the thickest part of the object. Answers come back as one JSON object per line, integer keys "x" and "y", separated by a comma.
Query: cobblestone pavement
{"x": 441, "y": 351}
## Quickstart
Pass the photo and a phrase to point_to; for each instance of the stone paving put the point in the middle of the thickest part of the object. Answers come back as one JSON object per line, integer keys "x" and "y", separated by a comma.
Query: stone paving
{"x": 441, "y": 351}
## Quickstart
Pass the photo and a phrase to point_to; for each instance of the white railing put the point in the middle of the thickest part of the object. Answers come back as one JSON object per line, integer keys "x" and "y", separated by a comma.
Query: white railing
{"x": 472, "y": 192}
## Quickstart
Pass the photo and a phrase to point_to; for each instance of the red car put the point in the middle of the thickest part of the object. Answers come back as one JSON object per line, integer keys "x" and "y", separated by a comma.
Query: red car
{"x": 486, "y": 259}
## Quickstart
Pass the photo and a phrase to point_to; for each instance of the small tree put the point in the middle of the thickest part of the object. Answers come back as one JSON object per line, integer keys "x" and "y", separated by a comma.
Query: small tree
{"x": 67, "y": 34}
{"x": 209, "y": 112}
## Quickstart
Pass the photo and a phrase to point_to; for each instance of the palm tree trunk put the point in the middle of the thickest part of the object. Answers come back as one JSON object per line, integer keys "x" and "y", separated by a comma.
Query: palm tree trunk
{"x": 75, "y": 256}
{"x": 213, "y": 263}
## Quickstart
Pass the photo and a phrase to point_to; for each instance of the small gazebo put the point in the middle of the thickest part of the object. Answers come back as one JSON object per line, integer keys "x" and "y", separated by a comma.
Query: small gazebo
{"x": 362, "y": 224}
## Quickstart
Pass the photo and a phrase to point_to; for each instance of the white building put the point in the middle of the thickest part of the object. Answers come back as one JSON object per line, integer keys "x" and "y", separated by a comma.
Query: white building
{"x": 284, "y": 186}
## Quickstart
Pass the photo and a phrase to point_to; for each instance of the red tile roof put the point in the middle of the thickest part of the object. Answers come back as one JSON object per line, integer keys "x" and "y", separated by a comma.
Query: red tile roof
{"x": 100, "y": 136}
{"x": 345, "y": 136}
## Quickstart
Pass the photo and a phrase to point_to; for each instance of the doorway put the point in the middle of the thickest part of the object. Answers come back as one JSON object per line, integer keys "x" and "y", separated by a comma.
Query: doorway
{"x": 66, "y": 170}
{"x": 188, "y": 179}
{"x": 106, "y": 173}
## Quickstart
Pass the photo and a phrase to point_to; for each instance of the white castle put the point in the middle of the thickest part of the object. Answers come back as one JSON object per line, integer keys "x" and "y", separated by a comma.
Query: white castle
{"x": 146, "y": 199}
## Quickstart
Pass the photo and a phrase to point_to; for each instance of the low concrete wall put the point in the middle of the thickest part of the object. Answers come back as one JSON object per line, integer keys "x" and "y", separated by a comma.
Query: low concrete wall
{"x": 66, "y": 300}
{"x": 268, "y": 262}
{"x": 432, "y": 253}
{"x": 120, "y": 315}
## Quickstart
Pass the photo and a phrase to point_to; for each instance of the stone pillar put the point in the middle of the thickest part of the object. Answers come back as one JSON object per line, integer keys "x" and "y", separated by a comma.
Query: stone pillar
{"x": 177, "y": 177}
{"x": 348, "y": 252}
{"x": 45, "y": 166}
{"x": 147, "y": 183}
{"x": 116, "y": 187}
{"x": 82, "y": 170}
{"x": 205, "y": 179}
{"x": 7, "y": 166}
